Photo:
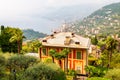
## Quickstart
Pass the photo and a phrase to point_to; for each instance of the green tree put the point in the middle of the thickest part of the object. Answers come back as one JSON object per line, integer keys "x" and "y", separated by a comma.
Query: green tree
{"x": 65, "y": 53}
{"x": 113, "y": 74}
{"x": 110, "y": 46}
{"x": 97, "y": 71}
{"x": 6, "y": 35}
{"x": 94, "y": 40}
{"x": 115, "y": 61}
{"x": 1, "y": 32}
{"x": 17, "y": 64}
{"x": 17, "y": 36}
{"x": 1, "y": 29}
{"x": 52, "y": 53}
{"x": 6, "y": 46}
{"x": 43, "y": 71}
{"x": 97, "y": 78}
{"x": 61, "y": 55}
{"x": 34, "y": 44}
{"x": 20, "y": 62}
{"x": 2, "y": 67}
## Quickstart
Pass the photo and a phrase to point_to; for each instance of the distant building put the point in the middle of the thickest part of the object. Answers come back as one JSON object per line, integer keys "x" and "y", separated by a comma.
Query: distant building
{"x": 95, "y": 31}
{"x": 78, "y": 45}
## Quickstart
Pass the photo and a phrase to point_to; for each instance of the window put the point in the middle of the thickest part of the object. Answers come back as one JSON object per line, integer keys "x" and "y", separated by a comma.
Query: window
{"x": 78, "y": 55}
{"x": 44, "y": 51}
{"x": 78, "y": 69}
{"x": 70, "y": 54}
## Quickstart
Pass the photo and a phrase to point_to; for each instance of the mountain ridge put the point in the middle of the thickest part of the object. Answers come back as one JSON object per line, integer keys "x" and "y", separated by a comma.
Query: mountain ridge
{"x": 30, "y": 34}
{"x": 105, "y": 20}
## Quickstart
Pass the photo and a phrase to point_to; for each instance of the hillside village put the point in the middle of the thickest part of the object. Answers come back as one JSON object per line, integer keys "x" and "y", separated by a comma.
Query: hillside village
{"x": 80, "y": 50}
{"x": 103, "y": 21}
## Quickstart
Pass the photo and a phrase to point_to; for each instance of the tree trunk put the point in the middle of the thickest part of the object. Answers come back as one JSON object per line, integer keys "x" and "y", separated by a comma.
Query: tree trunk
{"x": 60, "y": 63}
{"x": 18, "y": 47}
{"x": 53, "y": 59}
{"x": 33, "y": 49}
{"x": 66, "y": 64}
{"x": 109, "y": 59}
{"x": 40, "y": 53}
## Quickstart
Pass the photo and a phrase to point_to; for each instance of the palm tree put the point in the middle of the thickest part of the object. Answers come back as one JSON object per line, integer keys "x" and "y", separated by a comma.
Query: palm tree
{"x": 110, "y": 46}
{"x": 17, "y": 37}
{"x": 34, "y": 44}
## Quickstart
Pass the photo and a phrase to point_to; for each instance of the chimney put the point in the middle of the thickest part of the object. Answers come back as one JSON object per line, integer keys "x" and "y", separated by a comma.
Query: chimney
{"x": 67, "y": 40}
{"x": 55, "y": 32}
{"x": 73, "y": 34}
{"x": 52, "y": 35}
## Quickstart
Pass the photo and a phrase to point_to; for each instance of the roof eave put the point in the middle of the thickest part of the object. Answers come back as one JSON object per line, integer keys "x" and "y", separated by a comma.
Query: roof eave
{"x": 66, "y": 46}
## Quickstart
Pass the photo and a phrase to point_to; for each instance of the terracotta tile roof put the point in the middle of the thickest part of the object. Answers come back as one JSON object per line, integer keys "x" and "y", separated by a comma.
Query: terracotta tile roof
{"x": 66, "y": 39}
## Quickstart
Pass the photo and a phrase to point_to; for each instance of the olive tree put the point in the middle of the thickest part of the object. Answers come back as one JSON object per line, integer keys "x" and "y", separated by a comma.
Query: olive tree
{"x": 2, "y": 67}
{"x": 18, "y": 64}
{"x": 44, "y": 71}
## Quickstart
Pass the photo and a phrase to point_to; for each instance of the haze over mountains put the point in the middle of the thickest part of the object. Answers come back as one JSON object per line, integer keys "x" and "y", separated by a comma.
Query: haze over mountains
{"x": 56, "y": 17}
{"x": 52, "y": 18}
{"x": 45, "y": 15}
{"x": 105, "y": 20}
{"x": 70, "y": 13}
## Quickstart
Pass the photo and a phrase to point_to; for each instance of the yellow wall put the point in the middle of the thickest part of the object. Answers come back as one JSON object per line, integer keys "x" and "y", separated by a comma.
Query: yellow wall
{"x": 75, "y": 63}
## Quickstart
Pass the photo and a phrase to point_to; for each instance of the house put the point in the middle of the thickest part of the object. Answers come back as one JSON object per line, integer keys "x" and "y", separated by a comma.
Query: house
{"x": 94, "y": 51}
{"x": 78, "y": 45}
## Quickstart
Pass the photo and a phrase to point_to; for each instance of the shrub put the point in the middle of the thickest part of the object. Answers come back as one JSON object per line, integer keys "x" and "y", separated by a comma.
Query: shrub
{"x": 17, "y": 64}
{"x": 116, "y": 61}
{"x": 2, "y": 66}
{"x": 72, "y": 72}
{"x": 97, "y": 78}
{"x": 96, "y": 71}
{"x": 20, "y": 62}
{"x": 44, "y": 72}
{"x": 113, "y": 74}
{"x": 8, "y": 55}
{"x": 47, "y": 60}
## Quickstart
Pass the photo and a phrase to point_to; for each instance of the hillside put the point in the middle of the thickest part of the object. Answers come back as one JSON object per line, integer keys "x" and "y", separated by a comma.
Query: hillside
{"x": 103, "y": 21}
{"x": 31, "y": 34}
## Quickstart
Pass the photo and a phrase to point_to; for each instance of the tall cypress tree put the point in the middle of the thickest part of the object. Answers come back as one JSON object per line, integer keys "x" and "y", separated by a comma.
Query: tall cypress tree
{"x": 1, "y": 32}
